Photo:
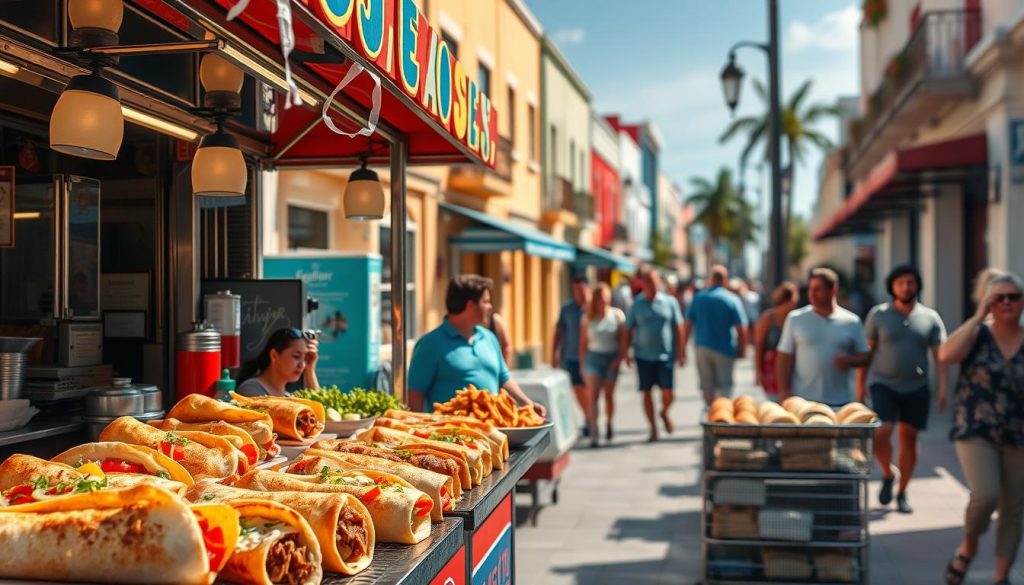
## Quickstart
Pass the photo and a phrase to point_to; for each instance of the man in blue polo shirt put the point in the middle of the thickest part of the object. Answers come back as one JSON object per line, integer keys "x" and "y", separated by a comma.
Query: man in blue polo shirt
{"x": 721, "y": 323}
{"x": 461, "y": 351}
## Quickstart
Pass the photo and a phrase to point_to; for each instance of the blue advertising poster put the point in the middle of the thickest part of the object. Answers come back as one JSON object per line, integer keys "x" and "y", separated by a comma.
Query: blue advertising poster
{"x": 348, "y": 288}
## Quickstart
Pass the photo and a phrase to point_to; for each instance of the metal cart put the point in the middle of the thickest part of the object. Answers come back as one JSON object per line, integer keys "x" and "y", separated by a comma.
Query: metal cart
{"x": 785, "y": 503}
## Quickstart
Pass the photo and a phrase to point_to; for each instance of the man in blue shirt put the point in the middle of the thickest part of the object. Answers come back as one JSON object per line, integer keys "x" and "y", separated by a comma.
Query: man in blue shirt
{"x": 720, "y": 319}
{"x": 655, "y": 326}
{"x": 461, "y": 351}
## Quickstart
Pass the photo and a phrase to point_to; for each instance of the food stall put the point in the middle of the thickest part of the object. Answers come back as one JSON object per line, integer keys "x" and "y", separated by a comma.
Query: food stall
{"x": 164, "y": 113}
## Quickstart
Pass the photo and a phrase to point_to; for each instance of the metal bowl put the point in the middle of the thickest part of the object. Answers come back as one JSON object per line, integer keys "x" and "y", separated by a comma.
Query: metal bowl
{"x": 96, "y": 424}
{"x": 114, "y": 402}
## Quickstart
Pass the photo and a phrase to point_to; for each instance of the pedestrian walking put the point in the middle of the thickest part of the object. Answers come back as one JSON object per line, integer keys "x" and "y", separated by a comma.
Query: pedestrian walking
{"x": 720, "y": 321}
{"x": 602, "y": 334}
{"x": 767, "y": 334}
{"x": 901, "y": 334}
{"x": 988, "y": 422}
{"x": 820, "y": 343}
{"x": 461, "y": 351}
{"x": 565, "y": 347}
{"x": 655, "y": 329}
{"x": 499, "y": 328}
{"x": 622, "y": 296}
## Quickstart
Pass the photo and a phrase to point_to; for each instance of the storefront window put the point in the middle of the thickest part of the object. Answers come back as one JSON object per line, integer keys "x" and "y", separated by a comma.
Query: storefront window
{"x": 484, "y": 80}
{"x": 308, "y": 228}
{"x": 411, "y": 322}
{"x": 173, "y": 73}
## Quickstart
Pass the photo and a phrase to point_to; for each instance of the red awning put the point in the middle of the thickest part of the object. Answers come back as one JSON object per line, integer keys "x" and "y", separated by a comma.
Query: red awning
{"x": 300, "y": 140}
{"x": 902, "y": 172}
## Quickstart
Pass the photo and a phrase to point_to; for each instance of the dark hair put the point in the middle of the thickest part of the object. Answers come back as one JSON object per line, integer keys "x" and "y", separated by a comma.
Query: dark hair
{"x": 903, "y": 270}
{"x": 465, "y": 288}
{"x": 826, "y": 274}
{"x": 581, "y": 279}
{"x": 278, "y": 341}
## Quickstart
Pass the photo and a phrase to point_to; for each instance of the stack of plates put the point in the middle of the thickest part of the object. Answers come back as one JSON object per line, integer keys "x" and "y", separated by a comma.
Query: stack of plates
{"x": 12, "y": 374}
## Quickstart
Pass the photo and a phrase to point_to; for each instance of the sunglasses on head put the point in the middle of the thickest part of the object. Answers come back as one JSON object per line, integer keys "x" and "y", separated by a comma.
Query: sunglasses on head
{"x": 1007, "y": 297}
{"x": 299, "y": 334}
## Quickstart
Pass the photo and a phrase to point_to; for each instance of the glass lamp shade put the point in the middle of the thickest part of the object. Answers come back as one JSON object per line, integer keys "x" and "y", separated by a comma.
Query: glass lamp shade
{"x": 364, "y": 195}
{"x": 732, "y": 81}
{"x": 218, "y": 74}
{"x": 99, "y": 14}
{"x": 218, "y": 168}
{"x": 87, "y": 120}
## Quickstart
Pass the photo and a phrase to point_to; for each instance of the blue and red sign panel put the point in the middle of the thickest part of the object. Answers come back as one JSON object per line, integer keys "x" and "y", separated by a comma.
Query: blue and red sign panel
{"x": 492, "y": 547}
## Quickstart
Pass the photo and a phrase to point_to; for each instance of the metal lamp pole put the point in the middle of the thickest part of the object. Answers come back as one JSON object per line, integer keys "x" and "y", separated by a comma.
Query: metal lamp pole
{"x": 732, "y": 81}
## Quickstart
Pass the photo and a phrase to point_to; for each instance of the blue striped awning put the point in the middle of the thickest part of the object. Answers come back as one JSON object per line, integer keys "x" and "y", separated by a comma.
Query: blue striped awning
{"x": 496, "y": 235}
{"x": 601, "y": 258}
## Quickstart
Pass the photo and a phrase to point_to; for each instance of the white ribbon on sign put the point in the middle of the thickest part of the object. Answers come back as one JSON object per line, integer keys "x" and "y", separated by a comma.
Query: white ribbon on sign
{"x": 284, "y": 24}
{"x": 371, "y": 124}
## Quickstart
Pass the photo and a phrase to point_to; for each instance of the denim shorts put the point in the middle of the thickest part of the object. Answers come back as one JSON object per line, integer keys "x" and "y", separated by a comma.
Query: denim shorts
{"x": 653, "y": 374}
{"x": 600, "y": 365}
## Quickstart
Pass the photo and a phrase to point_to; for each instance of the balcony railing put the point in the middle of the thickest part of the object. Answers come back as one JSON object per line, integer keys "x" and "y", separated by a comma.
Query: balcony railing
{"x": 932, "y": 64}
{"x": 487, "y": 182}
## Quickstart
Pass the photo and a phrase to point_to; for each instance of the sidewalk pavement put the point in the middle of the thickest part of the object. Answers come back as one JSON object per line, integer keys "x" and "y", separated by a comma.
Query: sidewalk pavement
{"x": 629, "y": 512}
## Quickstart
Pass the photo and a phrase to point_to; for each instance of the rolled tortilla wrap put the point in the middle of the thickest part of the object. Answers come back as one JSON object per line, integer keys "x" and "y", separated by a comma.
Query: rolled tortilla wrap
{"x": 294, "y": 418}
{"x": 392, "y": 438}
{"x": 153, "y": 462}
{"x": 435, "y": 485}
{"x": 276, "y": 546}
{"x": 342, "y": 525}
{"x": 136, "y": 535}
{"x": 495, "y": 439}
{"x": 202, "y": 454}
{"x": 196, "y": 408}
{"x": 20, "y": 470}
{"x": 400, "y": 512}
{"x": 238, "y": 436}
{"x": 464, "y": 421}
{"x": 441, "y": 463}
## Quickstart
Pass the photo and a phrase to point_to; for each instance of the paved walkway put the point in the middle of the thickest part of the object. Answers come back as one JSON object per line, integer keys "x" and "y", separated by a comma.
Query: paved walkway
{"x": 629, "y": 512}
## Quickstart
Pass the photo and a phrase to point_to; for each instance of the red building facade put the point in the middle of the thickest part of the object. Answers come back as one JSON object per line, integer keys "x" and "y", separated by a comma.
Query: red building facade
{"x": 604, "y": 183}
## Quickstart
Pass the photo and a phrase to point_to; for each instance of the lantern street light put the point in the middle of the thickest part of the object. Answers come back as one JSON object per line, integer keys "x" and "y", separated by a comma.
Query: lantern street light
{"x": 732, "y": 79}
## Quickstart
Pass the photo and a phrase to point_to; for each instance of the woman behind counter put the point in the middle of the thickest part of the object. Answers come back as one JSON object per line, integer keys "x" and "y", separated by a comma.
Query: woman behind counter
{"x": 988, "y": 422}
{"x": 289, "y": 354}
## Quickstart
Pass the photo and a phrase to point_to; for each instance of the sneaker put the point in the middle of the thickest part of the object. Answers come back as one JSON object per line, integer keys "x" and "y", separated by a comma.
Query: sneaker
{"x": 594, "y": 443}
{"x": 885, "y": 494}
{"x": 608, "y": 433}
{"x": 903, "y": 505}
{"x": 585, "y": 431}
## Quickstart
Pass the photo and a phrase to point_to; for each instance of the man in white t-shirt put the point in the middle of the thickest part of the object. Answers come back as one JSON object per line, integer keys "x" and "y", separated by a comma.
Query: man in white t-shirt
{"x": 820, "y": 344}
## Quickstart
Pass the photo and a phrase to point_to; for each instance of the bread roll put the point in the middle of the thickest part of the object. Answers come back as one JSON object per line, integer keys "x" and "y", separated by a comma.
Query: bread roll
{"x": 860, "y": 417}
{"x": 746, "y": 418}
{"x": 744, "y": 402}
{"x": 721, "y": 416}
{"x": 794, "y": 404}
{"x": 816, "y": 408}
{"x": 722, "y": 402}
{"x": 784, "y": 418}
{"x": 849, "y": 409}
{"x": 769, "y": 411}
{"x": 818, "y": 419}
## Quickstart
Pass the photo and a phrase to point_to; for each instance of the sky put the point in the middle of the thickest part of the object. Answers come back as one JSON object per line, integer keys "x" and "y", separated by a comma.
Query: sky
{"x": 660, "y": 60}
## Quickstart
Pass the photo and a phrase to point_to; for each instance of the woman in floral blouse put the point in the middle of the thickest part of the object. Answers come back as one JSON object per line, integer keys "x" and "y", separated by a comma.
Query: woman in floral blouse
{"x": 988, "y": 422}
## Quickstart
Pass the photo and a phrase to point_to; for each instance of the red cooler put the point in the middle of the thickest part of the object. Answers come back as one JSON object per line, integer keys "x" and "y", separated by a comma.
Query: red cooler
{"x": 224, "y": 311}
{"x": 198, "y": 361}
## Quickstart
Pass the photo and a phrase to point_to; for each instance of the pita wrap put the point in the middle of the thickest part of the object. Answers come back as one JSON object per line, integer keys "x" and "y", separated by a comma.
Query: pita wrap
{"x": 435, "y": 485}
{"x": 400, "y": 512}
{"x": 295, "y": 418}
{"x": 441, "y": 420}
{"x": 19, "y": 470}
{"x": 439, "y": 463}
{"x": 238, "y": 436}
{"x": 202, "y": 454}
{"x": 479, "y": 460}
{"x": 141, "y": 534}
{"x": 153, "y": 462}
{"x": 342, "y": 525}
{"x": 277, "y": 545}
{"x": 196, "y": 408}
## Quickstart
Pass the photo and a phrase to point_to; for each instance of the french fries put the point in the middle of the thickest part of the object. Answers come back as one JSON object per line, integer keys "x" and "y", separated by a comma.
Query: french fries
{"x": 500, "y": 409}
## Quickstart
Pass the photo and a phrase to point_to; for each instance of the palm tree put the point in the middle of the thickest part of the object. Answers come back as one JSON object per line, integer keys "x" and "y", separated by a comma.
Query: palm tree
{"x": 797, "y": 131}
{"x": 720, "y": 210}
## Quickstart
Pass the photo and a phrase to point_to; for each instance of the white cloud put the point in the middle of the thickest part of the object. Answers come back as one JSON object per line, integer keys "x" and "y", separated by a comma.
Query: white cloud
{"x": 835, "y": 31}
{"x": 569, "y": 36}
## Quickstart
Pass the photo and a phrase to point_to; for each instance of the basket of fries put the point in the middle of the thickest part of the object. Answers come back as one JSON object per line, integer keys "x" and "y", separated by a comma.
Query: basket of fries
{"x": 519, "y": 423}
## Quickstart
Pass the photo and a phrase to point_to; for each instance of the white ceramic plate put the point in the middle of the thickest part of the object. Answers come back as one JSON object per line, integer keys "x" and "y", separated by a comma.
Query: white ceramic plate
{"x": 347, "y": 428}
{"x": 519, "y": 435}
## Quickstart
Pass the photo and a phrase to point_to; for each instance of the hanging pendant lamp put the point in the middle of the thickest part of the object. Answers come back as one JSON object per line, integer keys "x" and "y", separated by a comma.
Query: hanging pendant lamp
{"x": 364, "y": 195}
{"x": 87, "y": 119}
{"x": 219, "y": 174}
{"x": 95, "y": 22}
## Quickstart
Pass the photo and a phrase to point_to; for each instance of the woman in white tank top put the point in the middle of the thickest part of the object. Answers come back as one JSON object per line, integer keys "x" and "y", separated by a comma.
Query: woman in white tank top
{"x": 601, "y": 333}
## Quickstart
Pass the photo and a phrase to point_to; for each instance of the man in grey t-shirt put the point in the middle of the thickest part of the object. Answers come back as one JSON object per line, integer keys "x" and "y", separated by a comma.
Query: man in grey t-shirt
{"x": 820, "y": 344}
{"x": 901, "y": 334}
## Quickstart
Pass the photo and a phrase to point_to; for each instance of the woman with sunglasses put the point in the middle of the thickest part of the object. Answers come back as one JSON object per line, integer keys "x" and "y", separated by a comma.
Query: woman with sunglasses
{"x": 988, "y": 422}
{"x": 289, "y": 354}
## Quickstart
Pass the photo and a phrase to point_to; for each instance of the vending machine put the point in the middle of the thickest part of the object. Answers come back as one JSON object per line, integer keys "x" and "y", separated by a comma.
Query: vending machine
{"x": 348, "y": 288}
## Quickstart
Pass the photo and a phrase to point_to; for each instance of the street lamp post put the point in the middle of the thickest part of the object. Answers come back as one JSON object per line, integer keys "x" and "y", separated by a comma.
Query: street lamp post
{"x": 732, "y": 82}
